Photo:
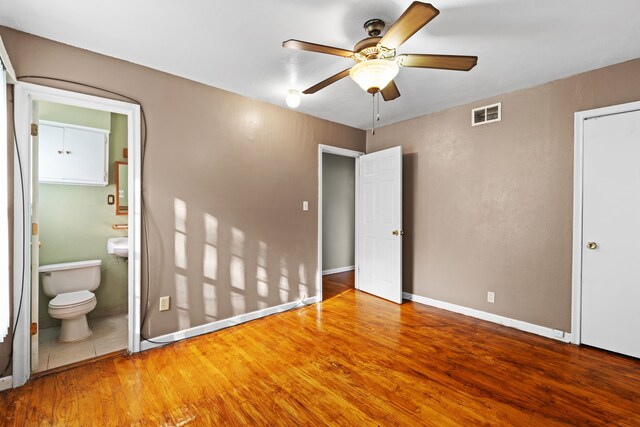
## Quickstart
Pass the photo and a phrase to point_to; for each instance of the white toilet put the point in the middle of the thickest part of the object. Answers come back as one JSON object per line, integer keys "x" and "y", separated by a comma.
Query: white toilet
{"x": 71, "y": 284}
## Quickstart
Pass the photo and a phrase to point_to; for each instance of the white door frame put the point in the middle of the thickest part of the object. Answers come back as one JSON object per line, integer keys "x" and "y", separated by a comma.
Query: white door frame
{"x": 578, "y": 150}
{"x": 25, "y": 94}
{"x": 346, "y": 153}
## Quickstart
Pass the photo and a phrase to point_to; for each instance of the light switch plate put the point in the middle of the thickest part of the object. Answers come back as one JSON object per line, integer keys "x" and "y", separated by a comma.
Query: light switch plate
{"x": 305, "y": 206}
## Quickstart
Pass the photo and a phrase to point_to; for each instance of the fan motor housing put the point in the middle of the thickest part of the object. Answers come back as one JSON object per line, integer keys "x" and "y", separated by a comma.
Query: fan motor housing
{"x": 370, "y": 48}
{"x": 369, "y": 42}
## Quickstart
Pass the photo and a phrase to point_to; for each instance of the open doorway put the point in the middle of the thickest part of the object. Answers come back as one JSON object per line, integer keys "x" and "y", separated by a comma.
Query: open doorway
{"x": 337, "y": 220}
{"x": 81, "y": 251}
{"x": 378, "y": 221}
{"x": 79, "y": 278}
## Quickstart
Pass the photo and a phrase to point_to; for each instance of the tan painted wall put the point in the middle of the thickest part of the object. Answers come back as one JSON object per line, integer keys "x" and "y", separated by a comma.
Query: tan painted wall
{"x": 490, "y": 207}
{"x": 338, "y": 211}
{"x": 224, "y": 181}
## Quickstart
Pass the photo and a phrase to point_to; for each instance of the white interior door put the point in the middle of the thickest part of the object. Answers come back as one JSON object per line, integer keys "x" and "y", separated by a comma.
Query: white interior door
{"x": 35, "y": 242}
{"x": 380, "y": 224}
{"x": 611, "y": 233}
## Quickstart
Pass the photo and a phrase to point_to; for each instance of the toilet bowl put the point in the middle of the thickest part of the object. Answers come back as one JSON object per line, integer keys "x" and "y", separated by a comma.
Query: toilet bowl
{"x": 71, "y": 285}
{"x": 72, "y": 308}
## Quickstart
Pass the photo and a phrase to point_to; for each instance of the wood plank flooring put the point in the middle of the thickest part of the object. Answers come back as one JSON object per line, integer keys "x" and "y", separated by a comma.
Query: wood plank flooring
{"x": 334, "y": 285}
{"x": 352, "y": 360}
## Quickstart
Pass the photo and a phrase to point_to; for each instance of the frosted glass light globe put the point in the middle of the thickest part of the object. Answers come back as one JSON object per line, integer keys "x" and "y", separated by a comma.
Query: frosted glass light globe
{"x": 293, "y": 98}
{"x": 374, "y": 75}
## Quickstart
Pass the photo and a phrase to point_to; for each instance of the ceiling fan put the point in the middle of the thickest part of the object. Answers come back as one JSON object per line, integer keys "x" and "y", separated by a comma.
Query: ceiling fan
{"x": 377, "y": 63}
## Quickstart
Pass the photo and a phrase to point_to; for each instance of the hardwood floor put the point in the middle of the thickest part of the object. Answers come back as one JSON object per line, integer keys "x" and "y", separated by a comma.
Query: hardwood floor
{"x": 334, "y": 285}
{"x": 352, "y": 360}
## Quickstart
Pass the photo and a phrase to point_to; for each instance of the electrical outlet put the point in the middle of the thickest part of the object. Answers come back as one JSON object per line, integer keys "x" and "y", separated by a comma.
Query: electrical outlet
{"x": 491, "y": 297}
{"x": 165, "y": 303}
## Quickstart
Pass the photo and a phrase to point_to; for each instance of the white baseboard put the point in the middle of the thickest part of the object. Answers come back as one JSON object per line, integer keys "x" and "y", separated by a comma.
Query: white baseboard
{"x": 338, "y": 270}
{"x": 6, "y": 383}
{"x": 221, "y": 324}
{"x": 490, "y": 317}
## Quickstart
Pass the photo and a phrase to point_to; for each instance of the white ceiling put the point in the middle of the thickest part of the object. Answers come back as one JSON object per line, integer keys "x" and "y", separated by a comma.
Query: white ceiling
{"x": 236, "y": 44}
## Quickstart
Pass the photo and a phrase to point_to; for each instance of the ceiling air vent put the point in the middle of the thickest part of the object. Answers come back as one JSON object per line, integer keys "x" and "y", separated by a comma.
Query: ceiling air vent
{"x": 487, "y": 114}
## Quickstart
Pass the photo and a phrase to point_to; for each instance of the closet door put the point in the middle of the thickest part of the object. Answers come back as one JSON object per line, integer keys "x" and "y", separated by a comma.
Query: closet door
{"x": 611, "y": 233}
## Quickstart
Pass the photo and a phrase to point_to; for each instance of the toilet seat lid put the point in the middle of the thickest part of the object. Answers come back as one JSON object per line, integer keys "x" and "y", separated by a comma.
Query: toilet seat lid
{"x": 71, "y": 299}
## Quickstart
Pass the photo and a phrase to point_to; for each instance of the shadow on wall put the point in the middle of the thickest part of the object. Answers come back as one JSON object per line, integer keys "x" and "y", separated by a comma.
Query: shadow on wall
{"x": 409, "y": 171}
{"x": 232, "y": 274}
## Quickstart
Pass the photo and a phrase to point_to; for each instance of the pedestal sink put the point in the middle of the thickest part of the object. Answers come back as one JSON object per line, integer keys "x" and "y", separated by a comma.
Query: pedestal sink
{"x": 118, "y": 246}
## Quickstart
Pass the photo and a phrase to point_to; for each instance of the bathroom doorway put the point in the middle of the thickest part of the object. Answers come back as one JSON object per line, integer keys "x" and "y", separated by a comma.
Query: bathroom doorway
{"x": 79, "y": 262}
{"x": 81, "y": 268}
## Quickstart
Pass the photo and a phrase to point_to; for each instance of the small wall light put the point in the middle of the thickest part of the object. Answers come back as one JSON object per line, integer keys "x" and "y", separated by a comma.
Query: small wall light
{"x": 293, "y": 98}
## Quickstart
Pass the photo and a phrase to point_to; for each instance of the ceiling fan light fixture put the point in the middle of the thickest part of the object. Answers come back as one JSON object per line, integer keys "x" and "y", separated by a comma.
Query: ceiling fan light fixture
{"x": 293, "y": 98}
{"x": 374, "y": 75}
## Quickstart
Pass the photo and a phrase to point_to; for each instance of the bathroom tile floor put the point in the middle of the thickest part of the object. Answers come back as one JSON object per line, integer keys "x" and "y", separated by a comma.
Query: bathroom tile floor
{"x": 109, "y": 334}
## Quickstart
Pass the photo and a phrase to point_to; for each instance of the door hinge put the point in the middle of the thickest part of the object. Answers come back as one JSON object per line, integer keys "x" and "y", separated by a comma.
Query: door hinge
{"x": 34, "y": 129}
{"x": 34, "y": 228}
{"x": 34, "y": 328}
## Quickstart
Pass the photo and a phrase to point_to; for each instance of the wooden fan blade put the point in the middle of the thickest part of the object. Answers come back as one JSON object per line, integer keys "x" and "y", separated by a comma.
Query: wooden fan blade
{"x": 443, "y": 62}
{"x": 313, "y": 47}
{"x": 390, "y": 91}
{"x": 327, "y": 82}
{"x": 416, "y": 16}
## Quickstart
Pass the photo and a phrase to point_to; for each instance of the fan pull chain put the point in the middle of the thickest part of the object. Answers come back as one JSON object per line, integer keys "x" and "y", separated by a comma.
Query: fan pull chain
{"x": 378, "y": 115}
{"x": 373, "y": 117}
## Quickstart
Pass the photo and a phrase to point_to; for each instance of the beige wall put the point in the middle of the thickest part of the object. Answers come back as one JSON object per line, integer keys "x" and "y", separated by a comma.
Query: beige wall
{"x": 223, "y": 183}
{"x": 489, "y": 208}
{"x": 338, "y": 211}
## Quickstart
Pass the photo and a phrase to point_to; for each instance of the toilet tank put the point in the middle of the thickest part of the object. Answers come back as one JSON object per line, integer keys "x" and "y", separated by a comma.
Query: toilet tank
{"x": 66, "y": 277}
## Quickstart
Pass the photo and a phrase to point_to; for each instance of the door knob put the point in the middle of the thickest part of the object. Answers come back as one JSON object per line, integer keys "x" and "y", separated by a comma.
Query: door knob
{"x": 592, "y": 245}
{"x": 396, "y": 232}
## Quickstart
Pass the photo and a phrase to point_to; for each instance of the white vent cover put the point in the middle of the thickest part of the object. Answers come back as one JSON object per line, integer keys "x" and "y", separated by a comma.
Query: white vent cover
{"x": 487, "y": 114}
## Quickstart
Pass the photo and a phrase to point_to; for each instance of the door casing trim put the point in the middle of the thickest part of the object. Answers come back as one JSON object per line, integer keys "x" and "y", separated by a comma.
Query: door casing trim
{"x": 25, "y": 94}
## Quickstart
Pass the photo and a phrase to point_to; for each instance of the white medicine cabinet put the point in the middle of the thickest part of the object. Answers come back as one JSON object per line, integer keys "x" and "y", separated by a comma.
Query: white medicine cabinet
{"x": 70, "y": 154}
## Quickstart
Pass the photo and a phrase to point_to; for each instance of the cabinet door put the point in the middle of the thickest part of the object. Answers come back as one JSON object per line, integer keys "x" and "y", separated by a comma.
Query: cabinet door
{"x": 85, "y": 156}
{"x": 50, "y": 143}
